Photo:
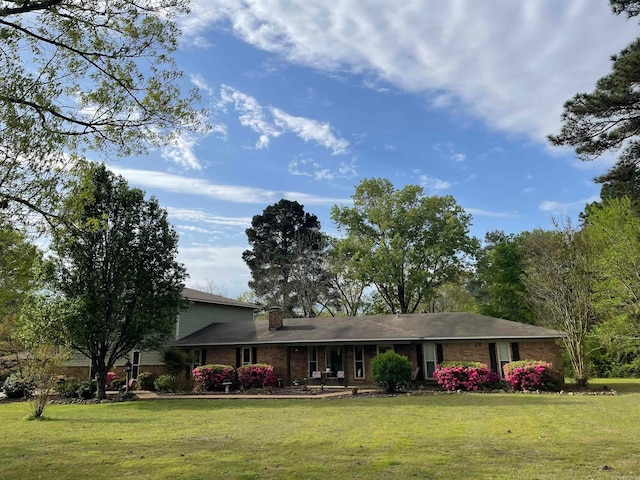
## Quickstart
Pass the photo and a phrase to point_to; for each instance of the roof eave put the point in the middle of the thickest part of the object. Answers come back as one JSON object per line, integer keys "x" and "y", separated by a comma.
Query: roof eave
{"x": 369, "y": 340}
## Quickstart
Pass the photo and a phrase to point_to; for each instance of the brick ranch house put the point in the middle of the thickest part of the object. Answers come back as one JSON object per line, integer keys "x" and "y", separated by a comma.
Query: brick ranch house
{"x": 339, "y": 349}
{"x": 204, "y": 309}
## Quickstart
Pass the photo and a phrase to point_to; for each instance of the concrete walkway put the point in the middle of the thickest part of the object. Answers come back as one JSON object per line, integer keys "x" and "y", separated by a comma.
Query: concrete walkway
{"x": 146, "y": 395}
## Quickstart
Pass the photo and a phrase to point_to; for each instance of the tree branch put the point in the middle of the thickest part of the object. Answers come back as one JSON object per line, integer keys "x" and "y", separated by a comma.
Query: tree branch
{"x": 28, "y": 6}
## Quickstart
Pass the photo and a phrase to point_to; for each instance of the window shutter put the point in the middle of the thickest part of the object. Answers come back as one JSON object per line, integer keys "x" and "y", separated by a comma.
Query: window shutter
{"x": 515, "y": 351}
{"x": 204, "y": 356}
{"x": 238, "y": 359}
{"x": 439, "y": 353}
{"x": 493, "y": 358}
{"x": 254, "y": 354}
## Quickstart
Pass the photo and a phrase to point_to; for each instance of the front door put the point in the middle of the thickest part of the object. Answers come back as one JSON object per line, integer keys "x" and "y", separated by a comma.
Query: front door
{"x": 334, "y": 360}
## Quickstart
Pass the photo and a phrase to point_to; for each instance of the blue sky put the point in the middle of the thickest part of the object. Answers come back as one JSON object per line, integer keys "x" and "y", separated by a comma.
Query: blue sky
{"x": 308, "y": 98}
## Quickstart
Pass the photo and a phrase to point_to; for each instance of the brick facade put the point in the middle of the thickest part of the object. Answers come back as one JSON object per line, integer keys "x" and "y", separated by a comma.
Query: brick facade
{"x": 548, "y": 351}
{"x": 292, "y": 362}
{"x": 466, "y": 352}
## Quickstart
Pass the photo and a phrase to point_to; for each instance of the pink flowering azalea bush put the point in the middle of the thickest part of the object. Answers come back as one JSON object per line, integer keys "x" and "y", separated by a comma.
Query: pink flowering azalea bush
{"x": 209, "y": 378}
{"x": 111, "y": 376}
{"x": 465, "y": 376}
{"x": 257, "y": 375}
{"x": 531, "y": 375}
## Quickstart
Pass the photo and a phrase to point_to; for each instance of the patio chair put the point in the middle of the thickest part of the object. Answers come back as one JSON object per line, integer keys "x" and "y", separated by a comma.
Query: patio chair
{"x": 316, "y": 375}
{"x": 340, "y": 376}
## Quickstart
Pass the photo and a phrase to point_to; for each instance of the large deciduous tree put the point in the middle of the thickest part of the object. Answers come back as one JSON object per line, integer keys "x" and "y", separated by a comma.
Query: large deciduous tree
{"x": 286, "y": 245}
{"x": 408, "y": 244}
{"x": 81, "y": 75}
{"x": 117, "y": 264}
{"x": 558, "y": 275}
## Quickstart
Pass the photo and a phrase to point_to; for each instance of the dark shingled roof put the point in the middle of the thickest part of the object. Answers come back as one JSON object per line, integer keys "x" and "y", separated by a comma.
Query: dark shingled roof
{"x": 204, "y": 297}
{"x": 373, "y": 328}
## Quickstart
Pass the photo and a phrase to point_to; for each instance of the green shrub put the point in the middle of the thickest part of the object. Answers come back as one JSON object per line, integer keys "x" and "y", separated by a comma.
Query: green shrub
{"x": 87, "y": 389}
{"x": 463, "y": 364}
{"x": 68, "y": 387}
{"x": 165, "y": 383}
{"x": 176, "y": 361}
{"x": 391, "y": 371}
{"x": 17, "y": 387}
{"x": 118, "y": 384}
{"x": 145, "y": 381}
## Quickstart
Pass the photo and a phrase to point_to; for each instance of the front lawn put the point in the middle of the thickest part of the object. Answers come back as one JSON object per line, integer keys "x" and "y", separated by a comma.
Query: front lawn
{"x": 429, "y": 436}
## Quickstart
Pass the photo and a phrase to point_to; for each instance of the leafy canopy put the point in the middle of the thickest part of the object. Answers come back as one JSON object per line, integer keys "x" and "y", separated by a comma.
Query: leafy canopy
{"x": 408, "y": 244}
{"x": 81, "y": 75}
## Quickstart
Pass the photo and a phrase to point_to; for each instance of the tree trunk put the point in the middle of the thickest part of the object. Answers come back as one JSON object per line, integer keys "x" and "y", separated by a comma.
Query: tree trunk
{"x": 101, "y": 379}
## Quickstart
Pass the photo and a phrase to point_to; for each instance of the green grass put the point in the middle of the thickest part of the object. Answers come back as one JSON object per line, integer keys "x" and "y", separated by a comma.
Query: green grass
{"x": 441, "y": 437}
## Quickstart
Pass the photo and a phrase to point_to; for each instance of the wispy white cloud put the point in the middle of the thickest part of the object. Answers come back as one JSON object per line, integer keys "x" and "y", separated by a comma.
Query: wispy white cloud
{"x": 487, "y": 213}
{"x": 230, "y": 193}
{"x": 566, "y": 208}
{"x": 202, "y": 217}
{"x": 181, "y": 151}
{"x": 308, "y": 167}
{"x": 192, "y": 228}
{"x": 348, "y": 169}
{"x": 512, "y": 64}
{"x": 202, "y": 85}
{"x": 271, "y": 122}
{"x": 308, "y": 129}
{"x": 433, "y": 184}
{"x": 448, "y": 150}
{"x": 252, "y": 115}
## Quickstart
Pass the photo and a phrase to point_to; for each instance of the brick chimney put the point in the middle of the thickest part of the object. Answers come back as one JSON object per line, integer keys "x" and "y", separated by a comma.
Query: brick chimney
{"x": 276, "y": 316}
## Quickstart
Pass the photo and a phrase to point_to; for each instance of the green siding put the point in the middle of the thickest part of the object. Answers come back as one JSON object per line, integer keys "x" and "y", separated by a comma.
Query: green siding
{"x": 199, "y": 315}
{"x": 78, "y": 360}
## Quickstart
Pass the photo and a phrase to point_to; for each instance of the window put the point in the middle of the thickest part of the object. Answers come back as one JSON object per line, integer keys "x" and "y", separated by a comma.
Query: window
{"x": 247, "y": 356}
{"x": 358, "y": 362}
{"x": 135, "y": 364}
{"x": 196, "y": 358}
{"x": 430, "y": 359}
{"x": 313, "y": 360}
{"x": 383, "y": 348}
{"x": 504, "y": 355}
